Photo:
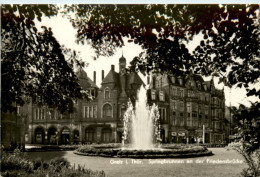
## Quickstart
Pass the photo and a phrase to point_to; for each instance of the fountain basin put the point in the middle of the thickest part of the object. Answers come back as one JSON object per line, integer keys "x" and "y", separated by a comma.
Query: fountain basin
{"x": 163, "y": 152}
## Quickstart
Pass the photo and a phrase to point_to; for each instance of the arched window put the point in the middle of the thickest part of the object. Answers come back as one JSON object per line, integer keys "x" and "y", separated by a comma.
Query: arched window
{"x": 107, "y": 93}
{"x": 107, "y": 110}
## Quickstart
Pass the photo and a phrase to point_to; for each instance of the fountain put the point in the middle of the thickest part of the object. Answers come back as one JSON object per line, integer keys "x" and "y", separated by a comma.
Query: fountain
{"x": 141, "y": 125}
{"x": 141, "y": 136}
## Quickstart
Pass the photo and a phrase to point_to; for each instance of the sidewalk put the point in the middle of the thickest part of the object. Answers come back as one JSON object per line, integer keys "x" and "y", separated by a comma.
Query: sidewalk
{"x": 45, "y": 147}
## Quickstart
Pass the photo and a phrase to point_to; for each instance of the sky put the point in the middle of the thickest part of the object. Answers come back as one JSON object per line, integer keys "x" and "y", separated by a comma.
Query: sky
{"x": 66, "y": 35}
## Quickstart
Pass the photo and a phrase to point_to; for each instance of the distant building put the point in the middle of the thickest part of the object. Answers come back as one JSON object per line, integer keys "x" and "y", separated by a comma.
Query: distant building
{"x": 186, "y": 105}
{"x": 13, "y": 128}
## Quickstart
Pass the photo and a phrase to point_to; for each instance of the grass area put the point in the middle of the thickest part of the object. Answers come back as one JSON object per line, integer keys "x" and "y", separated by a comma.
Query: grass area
{"x": 16, "y": 164}
{"x": 129, "y": 169}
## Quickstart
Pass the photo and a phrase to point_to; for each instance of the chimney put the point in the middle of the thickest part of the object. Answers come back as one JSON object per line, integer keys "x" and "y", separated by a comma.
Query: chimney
{"x": 102, "y": 75}
{"x": 113, "y": 67}
{"x": 94, "y": 75}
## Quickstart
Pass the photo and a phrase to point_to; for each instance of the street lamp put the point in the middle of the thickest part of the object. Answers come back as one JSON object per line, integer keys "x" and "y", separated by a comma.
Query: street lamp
{"x": 56, "y": 137}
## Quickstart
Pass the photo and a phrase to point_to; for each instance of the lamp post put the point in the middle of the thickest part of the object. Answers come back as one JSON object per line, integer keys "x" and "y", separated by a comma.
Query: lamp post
{"x": 203, "y": 134}
{"x": 57, "y": 137}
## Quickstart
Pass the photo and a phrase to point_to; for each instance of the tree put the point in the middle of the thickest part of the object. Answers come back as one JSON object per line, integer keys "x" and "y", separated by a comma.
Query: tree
{"x": 248, "y": 137}
{"x": 230, "y": 37}
{"x": 248, "y": 119}
{"x": 33, "y": 63}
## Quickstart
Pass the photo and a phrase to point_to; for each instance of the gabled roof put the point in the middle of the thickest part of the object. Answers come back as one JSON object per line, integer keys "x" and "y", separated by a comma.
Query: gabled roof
{"x": 84, "y": 81}
{"x": 111, "y": 77}
{"x": 133, "y": 78}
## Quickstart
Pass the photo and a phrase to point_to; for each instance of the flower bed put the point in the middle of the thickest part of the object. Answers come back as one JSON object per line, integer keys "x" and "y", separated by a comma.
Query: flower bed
{"x": 164, "y": 152}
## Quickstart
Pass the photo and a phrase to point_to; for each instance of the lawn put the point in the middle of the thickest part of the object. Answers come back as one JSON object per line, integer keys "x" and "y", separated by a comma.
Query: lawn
{"x": 197, "y": 167}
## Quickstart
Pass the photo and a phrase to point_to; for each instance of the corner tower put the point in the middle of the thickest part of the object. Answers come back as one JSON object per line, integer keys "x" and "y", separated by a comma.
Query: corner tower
{"x": 122, "y": 64}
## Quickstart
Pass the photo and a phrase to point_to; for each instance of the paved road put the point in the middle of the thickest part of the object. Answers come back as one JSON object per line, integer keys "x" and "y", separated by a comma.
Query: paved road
{"x": 223, "y": 164}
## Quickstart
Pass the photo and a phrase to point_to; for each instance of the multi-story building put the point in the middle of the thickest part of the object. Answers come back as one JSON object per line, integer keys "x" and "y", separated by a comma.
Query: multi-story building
{"x": 98, "y": 120}
{"x": 188, "y": 107}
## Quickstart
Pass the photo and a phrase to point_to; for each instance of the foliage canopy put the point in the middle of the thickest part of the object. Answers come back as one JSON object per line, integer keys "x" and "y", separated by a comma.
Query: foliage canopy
{"x": 33, "y": 63}
{"x": 229, "y": 37}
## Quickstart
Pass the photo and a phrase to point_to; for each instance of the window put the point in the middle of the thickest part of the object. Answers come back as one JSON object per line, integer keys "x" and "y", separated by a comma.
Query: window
{"x": 158, "y": 83}
{"x": 91, "y": 111}
{"x": 173, "y": 79}
{"x": 107, "y": 93}
{"x": 189, "y": 121}
{"x": 90, "y": 134}
{"x": 195, "y": 122}
{"x": 174, "y": 113}
{"x": 194, "y": 114}
{"x": 153, "y": 94}
{"x": 181, "y": 106}
{"x": 174, "y": 122}
{"x": 154, "y": 82}
{"x": 195, "y": 107}
{"x": 123, "y": 109}
{"x": 93, "y": 92}
{"x": 107, "y": 110}
{"x": 106, "y": 135}
{"x": 199, "y": 86}
{"x": 181, "y": 121}
{"x": 86, "y": 111}
{"x": 162, "y": 112}
{"x": 52, "y": 113}
{"x": 205, "y": 87}
{"x": 43, "y": 113}
{"x": 200, "y": 111}
{"x": 201, "y": 96}
{"x": 192, "y": 83}
{"x": 181, "y": 93}
{"x": 206, "y": 110}
{"x": 174, "y": 91}
{"x": 216, "y": 125}
{"x": 188, "y": 107}
{"x": 189, "y": 93}
{"x": 174, "y": 106}
{"x": 95, "y": 111}
{"x": 180, "y": 81}
{"x": 161, "y": 96}
{"x": 206, "y": 97}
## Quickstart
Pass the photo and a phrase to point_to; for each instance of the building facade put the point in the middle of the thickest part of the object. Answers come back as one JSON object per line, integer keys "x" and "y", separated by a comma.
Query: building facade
{"x": 96, "y": 121}
{"x": 192, "y": 110}
{"x": 188, "y": 107}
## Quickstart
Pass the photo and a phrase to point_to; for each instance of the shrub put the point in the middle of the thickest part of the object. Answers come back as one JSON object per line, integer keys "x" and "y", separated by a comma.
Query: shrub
{"x": 16, "y": 164}
{"x": 15, "y": 161}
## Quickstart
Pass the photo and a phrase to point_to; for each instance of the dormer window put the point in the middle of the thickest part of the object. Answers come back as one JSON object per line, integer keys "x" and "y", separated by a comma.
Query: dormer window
{"x": 93, "y": 92}
{"x": 192, "y": 83}
{"x": 153, "y": 94}
{"x": 205, "y": 87}
{"x": 107, "y": 93}
{"x": 199, "y": 86}
{"x": 180, "y": 81}
{"x": 161, "y": 96}
{"x": 173, "y": 79}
